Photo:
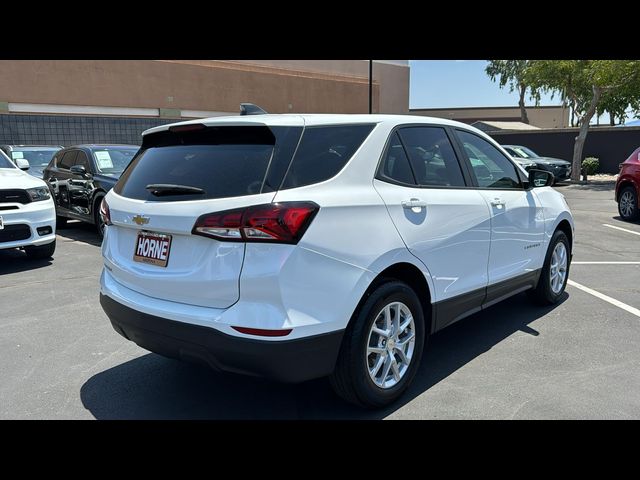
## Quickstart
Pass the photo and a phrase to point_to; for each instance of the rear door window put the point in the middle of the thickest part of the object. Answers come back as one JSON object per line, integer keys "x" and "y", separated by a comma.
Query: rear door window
{"x": 432, "y": 157}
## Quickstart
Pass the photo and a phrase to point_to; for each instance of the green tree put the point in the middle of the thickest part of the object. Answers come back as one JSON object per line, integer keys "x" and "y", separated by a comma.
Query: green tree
{"x": 619, "y": 102}
{"x": 585, "y": 85}
{"x": 512, "y": 73}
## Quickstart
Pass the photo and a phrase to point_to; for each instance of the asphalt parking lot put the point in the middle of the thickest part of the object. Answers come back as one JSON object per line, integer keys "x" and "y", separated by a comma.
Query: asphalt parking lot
{"x": 61, "y": 359}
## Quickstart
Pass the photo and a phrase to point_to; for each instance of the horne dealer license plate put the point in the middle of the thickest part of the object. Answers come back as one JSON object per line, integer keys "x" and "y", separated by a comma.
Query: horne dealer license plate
{"x": 152, "y": 248}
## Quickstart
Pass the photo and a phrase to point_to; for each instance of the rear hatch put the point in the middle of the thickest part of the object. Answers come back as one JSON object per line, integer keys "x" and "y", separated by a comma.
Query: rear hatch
{"x": 179, "y": 175}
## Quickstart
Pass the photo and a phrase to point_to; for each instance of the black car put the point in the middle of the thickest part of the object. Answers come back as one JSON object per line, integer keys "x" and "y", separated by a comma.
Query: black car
{"x": 80, "y": 176}
{"x": 561, "y": 169}
{"x": 38, "y": 156}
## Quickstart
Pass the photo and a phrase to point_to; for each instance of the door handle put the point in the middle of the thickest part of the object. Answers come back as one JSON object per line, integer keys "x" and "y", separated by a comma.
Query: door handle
{"x": 498, "y": 202}
{"x": 415, "y": 204}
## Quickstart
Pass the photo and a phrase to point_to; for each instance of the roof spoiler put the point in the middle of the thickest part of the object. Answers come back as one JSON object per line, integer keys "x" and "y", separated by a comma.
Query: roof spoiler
{"x": 251, "y": 109}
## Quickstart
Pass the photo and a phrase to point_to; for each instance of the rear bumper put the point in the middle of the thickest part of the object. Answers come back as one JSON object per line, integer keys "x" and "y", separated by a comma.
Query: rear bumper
{"x": 291, "y": 361}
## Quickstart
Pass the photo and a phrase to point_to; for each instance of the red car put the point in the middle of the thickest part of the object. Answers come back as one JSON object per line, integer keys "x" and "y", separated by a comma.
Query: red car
{"x": 628, "y": 187}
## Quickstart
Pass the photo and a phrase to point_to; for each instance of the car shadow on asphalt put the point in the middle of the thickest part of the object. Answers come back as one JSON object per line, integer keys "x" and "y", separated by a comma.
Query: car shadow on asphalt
{"x": 624, "y": 222}
{"x": 79, "y": 232}
{"x": 14, "y": 261}
{"x": 154, "y": 387}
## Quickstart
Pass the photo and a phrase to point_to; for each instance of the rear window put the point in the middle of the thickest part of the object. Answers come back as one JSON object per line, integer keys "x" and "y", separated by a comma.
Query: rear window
{"x": 323, "y": 152}
{"x": 238, "y": 161}
{"x": 222, "y": 161}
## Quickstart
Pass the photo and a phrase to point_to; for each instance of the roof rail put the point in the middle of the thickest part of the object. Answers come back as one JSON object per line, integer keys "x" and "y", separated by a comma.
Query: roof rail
{"x": 251, "y": 109}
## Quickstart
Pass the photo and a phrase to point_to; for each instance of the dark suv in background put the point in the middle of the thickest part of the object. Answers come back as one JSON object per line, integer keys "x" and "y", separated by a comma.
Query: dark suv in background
{"x": 81, "y": 175}
{"x": 561, "y": 169}
{"x": 38, "y": 156}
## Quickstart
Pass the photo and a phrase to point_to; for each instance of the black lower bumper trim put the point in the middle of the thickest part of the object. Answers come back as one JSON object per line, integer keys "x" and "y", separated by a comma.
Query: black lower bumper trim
{"x": 284, "y": 360}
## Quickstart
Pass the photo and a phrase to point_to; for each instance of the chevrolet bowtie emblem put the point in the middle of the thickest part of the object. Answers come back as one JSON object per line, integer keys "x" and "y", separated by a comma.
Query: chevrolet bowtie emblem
{"x": 140, "y": 220}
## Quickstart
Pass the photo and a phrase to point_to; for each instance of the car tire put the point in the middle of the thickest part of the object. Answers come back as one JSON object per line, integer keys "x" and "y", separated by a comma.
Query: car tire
{"x": 41, "y": 252}
{"x": 628, "y": 204}
{"x": 96, "y": 217}
{"x": 553, "y": 280}
{"x": 352, "y": 378}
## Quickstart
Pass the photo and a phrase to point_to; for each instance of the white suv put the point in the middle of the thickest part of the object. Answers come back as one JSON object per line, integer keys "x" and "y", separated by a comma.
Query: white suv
{"x": 301, "y": 246}
{"x": 27, "y": 212}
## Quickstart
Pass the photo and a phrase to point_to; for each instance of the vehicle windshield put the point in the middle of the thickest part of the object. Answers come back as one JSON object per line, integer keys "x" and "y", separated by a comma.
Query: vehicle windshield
{"x": 37, "y": 156}
{"x": 5, "y": 162}
{"x": 525, "y": 152}
{"x": 113, "y": 160}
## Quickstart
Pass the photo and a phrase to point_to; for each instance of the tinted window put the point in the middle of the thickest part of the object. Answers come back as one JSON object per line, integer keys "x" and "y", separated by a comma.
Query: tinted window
{"x": 395, "y": 165}
{"x": 490, "y": 167}
{"x": 113, "y": 160}
{"x": 323, "y": 152}
{"x": 432, "y": 157}
{"x": 5, "y": 162}
{"x": 68, "y": 159}
{"x": 223, "y": 161}
{"x": 82, "y": 160}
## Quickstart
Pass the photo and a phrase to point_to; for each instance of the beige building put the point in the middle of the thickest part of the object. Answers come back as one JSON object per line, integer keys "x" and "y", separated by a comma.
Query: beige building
{"x": 542, "y": 117}
{"x": 67, "y": 102}
{"x": 196, "y": 88}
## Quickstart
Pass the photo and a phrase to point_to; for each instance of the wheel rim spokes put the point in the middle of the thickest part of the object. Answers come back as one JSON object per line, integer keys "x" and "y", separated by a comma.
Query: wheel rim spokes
{"x": 558, "y": 268}
{"x": 390, "y": 345}
{"x": 626, "y": 204}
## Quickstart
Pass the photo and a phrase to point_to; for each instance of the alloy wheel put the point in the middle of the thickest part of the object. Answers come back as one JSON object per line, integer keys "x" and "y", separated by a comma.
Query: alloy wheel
{"x": 390, "y": 345}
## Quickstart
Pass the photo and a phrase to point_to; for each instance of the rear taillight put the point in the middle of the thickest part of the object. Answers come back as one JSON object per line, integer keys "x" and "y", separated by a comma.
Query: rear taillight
{"x": 105, "y": 214}
{"x": 273, "y": 222}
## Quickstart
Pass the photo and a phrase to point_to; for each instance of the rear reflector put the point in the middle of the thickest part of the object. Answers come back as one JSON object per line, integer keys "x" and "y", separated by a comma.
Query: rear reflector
{"x": 283, "y": 222}
{"x": 263, "y": 333}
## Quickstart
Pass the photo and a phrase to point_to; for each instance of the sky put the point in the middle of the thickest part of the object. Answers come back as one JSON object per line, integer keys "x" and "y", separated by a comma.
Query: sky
{"x": 463, "y": 83}
{"x": 458, "y": 83}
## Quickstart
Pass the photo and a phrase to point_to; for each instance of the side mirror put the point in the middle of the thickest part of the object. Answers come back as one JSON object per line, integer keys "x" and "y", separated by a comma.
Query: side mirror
{"x": 540, "y": 178}
{"x": 80, "y": 170}
{"x": 22, "y": 163}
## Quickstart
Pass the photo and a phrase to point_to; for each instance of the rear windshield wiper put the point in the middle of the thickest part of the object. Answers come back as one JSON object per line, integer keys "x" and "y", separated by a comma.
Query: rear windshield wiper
{"x": 160, "y": 189}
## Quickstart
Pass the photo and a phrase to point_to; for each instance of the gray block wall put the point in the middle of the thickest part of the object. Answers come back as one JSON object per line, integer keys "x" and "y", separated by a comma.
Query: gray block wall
{"x": 74, "y": 129}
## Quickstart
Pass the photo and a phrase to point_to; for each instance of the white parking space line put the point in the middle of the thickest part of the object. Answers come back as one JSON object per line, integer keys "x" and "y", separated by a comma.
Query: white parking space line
{"x": 620, "y": 228}
{"x": 606, "y": 298}
{"x": 605, "y": 263}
